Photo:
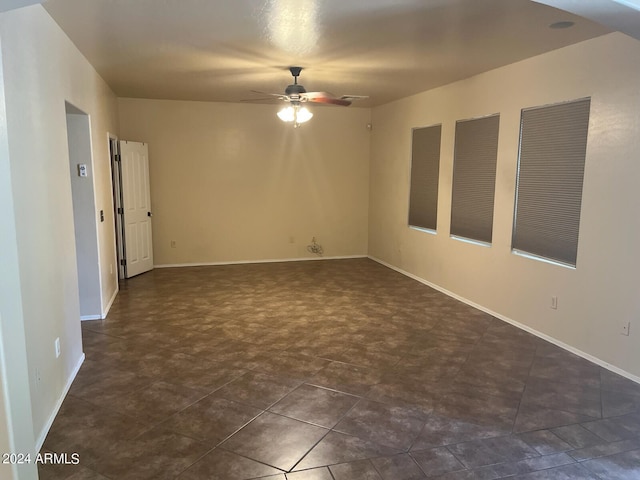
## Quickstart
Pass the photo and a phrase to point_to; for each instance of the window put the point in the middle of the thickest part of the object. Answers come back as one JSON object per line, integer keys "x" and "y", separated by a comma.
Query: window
{"x": 553, "y": 144}
{"x": 425, "y": 169}
{"x": 474, "y": 178}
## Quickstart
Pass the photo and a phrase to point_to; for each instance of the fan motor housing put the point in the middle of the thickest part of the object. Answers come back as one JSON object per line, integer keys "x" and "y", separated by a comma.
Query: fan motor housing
{"x": 295, "y": 89}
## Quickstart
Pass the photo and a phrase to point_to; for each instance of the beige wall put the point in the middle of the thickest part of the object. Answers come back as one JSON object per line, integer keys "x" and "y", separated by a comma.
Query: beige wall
{"x": 602, "y": 292}
{"x": 16, "y": 424}
{"x": 231, "y": 182}
{"x": 42, "y": 70}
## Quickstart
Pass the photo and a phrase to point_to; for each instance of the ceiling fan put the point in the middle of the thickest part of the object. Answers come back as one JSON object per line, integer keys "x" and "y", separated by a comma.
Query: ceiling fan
{"x": 295, "y": 94}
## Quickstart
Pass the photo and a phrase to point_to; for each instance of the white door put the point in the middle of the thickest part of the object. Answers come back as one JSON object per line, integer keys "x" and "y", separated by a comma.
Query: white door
{"x": 136, "y": 206}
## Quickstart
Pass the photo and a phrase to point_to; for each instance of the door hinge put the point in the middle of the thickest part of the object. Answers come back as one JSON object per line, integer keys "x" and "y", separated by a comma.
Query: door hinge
{"x": 123, "y": 262}
{"x": 120, "y": 211}
{"x": 118, "y": 157}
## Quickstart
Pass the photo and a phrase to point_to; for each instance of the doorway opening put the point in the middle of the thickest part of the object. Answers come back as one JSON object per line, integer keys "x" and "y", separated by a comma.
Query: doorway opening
{"x": 85, "y": 217}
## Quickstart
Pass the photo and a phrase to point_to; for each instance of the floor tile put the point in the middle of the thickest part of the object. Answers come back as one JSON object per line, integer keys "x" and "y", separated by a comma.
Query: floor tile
{"x": 545, "y": 442}
{"x": 578, "y": 371}
{"x": 436, "y": 461}
{"x": 156, "y": 454}
{"x": 322, "y": 473}
{"x": 441, "y": 430}
{"x": 489, "y": 451}
{"x": 616, "y": 403}
{"x": 487, "y": 410}
{"x": 574, "y": 398}
{"x": 403, "y": 392}
{"x": 223, "y": 465}
{"x": 610, "y": 429}
{"x": 211, "y": 419}
{"x": 340, "y": 448}
{"x": 84, "y": 428}
{"x": 605, "y": 449}
{"x": 534, "y": 417}
{"x": 51, "y": 471}
{"x": 521, "y": 467}
{"x": 315, "y": 405}
{"x": 260, "y": 390}
{"x": 275, "y": 440}
{"x": 567, "y": 472}
{"x": 101, "y": 387}
{"x": 346, "y": 378}
{"x": 398, "y": 467}
{"x": 156, "y": 402}
{"x": 360, "y": 469}
{"x": 394, "y": 427}
{"x": 292, "y": 365}
{"x": 613, "y": 382}
{"x": 621, "y": 466}
{"x": 577, "y": 436}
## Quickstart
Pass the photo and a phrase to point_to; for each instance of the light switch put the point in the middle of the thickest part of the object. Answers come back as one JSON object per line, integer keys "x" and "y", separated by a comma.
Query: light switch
{"x": 82, "y": 170}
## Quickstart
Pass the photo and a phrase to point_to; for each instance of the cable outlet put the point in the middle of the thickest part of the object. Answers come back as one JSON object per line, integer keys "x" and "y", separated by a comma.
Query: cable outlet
{"x": 626, "y": 326}
{"x": 57, "y": 347}
{"x": 554, "y": 303}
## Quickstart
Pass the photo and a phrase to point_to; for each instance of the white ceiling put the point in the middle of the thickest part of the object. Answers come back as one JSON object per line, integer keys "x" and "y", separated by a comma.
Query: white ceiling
{"x": 387, "y": 49}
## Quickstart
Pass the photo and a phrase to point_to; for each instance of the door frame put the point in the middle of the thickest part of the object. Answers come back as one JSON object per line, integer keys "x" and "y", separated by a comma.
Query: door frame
{"x": 118, "y": 212}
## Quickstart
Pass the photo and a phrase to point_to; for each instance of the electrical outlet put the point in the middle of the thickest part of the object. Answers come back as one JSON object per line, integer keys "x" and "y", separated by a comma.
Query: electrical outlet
{"x": 173, "y": 244}
{"x": 554, "y": 303}
{"x": 57, "y": 347}
{"x": 625, "y": 328}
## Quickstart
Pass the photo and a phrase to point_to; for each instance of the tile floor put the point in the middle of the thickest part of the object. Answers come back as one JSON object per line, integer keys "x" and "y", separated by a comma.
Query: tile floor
{"x": 331, "y": 370}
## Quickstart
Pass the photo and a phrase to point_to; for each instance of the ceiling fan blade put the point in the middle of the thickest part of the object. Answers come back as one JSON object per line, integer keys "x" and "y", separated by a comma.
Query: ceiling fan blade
{"x": 354, "y": 97}
{"x": 324, "y": 97}
{"x": 276, "y": 95}
{"x": 261, "y": 99}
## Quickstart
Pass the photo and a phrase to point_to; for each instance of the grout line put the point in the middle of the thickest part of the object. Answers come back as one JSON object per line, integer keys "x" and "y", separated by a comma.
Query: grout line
{"x": 524, "y": 391}
{"x": 252, "y": 459}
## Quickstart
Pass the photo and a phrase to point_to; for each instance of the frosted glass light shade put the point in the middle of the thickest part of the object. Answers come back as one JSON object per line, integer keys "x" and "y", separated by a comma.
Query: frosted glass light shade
{"x": 295, "y": 114}
{"x": 304, "y": 115}
{"x": 287, "y": 114}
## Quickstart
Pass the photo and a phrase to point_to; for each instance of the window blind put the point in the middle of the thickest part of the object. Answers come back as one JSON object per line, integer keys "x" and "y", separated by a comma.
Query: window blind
{"x": 425, "y": 170}
{"x": 474, "y": 178}
{"x": 553, "y": 143}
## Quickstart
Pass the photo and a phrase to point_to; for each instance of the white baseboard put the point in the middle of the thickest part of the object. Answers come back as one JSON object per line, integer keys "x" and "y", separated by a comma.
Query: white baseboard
{"x": 521, "y": 326}
{"x": 105, "y": 312}
{"x": 56, "y": 409}
{"x": 84, "y": 318}
{"x": 243, "y": 262}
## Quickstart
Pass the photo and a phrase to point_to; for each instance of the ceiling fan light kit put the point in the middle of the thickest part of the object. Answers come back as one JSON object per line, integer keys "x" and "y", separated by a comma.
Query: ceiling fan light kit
{"x": 295, "y": 114}
{"x": 295, "y": 94}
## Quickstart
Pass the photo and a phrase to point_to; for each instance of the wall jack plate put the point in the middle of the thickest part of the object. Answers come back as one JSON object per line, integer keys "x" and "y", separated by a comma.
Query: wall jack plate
{"x": 626, "y": 326}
